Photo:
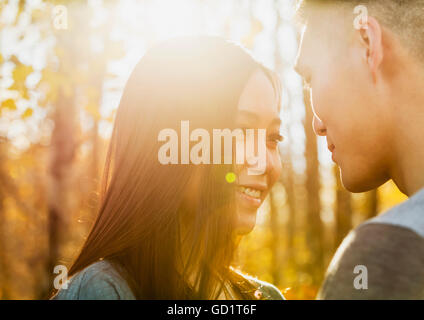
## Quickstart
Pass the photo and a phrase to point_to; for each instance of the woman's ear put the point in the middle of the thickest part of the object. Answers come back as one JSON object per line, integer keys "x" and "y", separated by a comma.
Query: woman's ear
{"x": 372, "y": 42}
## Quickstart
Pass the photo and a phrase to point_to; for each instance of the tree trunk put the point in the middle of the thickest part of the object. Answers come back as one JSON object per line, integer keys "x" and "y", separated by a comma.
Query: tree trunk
{"x": 61, "y": 157}
{"x": 371, "y": 204}
{"x": 275, "y": 241}
{"x": 314, "y": 225}
{"x": 343, "y": 210}
{"x": 4, "y": 273}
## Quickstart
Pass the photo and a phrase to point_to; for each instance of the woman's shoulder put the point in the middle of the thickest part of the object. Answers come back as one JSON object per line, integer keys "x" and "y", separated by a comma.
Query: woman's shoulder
{"x": 98, "y": 281}
{"x": 266, "y": 290}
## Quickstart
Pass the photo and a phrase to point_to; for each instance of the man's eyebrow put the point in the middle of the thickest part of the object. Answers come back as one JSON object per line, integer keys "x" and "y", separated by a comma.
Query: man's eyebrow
{"x": 297, "y": 68}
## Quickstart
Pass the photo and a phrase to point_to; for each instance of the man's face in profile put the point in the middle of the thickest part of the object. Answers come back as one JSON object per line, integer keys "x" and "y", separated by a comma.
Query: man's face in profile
{"x": 348, "y": 106}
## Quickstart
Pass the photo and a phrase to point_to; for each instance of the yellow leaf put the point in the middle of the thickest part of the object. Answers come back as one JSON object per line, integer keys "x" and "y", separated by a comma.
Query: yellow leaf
{"x": 28, "y": 113}
{"x": 8, "y": 104}
{"x": 21, "y": 72}
{"x": 19, "y": 75}
{"x": 20, "y": 87}
{"x": 1, "y": 58}
{"x": 93, "y": 111}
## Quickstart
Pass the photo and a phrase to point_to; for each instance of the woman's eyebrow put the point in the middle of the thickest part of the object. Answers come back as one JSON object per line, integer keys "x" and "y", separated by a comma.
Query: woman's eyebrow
{"x": 276, "y": 122}
{"x": 249, "y": 114}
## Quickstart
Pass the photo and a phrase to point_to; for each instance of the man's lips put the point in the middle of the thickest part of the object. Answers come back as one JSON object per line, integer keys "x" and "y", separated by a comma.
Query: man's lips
{"x": 332, "y": 148}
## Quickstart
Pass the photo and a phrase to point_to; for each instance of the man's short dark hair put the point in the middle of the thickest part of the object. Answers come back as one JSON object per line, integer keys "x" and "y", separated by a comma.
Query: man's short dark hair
{"x": 404, "y": 17}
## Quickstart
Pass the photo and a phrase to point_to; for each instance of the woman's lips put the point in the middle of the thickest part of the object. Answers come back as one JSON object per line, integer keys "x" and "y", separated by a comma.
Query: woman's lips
{"x": 248, "y": 200}
{"x": 250, "y": 196}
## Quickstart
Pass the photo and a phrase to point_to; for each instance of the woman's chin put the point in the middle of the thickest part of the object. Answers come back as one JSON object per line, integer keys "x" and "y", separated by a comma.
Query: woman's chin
{"x": 246, "y": 222}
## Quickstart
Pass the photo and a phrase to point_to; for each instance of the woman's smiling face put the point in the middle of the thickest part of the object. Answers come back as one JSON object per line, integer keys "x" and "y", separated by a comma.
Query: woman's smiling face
{"x": 257, "y": 109}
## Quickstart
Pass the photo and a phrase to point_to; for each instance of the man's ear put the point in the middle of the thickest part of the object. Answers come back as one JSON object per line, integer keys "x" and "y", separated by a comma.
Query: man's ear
{"x": 371, "y": 39}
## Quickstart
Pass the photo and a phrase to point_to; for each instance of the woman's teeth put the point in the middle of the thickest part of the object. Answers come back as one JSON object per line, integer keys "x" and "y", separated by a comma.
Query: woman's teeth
{"x": 251, "y": 192}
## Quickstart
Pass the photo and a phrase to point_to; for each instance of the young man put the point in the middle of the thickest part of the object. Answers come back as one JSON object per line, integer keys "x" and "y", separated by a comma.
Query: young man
{"x": 366, "y": 75}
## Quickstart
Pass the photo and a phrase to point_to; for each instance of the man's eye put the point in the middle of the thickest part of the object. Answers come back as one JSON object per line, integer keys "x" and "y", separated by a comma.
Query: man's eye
{"x": 307, "y": 81}
{"x": 307, "y": 85}
{"x": 271, "y": 138}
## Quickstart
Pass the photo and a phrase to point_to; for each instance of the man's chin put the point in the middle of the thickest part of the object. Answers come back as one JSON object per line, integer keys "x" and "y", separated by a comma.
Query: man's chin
{"x": 360, "y": 185}
{"x": 356, "y": 189}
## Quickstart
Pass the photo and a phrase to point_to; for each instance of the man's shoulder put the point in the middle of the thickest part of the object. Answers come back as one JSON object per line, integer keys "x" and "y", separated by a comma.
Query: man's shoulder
{"x": 395, "y": 229}
{"x": 391, "y": 247}
{"x": 400, "y": 229}
{"x": 409, "y": 214}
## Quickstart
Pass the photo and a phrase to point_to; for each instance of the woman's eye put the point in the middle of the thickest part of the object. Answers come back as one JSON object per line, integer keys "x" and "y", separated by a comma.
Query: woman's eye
{"x": 275, "y": 139}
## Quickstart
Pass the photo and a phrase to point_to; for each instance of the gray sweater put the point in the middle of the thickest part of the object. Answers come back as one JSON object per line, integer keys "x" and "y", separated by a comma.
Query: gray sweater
{"x": 388, "y": 254}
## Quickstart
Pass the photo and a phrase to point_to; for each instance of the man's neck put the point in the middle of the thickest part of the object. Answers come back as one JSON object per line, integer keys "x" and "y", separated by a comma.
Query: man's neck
{"x": 408, "y": 163}
{"x": 409, "y": 172}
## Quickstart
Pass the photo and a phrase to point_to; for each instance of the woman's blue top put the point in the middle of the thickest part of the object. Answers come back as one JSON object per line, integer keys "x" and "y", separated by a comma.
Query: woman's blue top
{"x": 101, "y": 281}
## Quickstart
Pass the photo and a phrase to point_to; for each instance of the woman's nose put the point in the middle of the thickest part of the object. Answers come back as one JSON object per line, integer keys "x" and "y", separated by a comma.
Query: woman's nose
{"x": 319, "y": 127}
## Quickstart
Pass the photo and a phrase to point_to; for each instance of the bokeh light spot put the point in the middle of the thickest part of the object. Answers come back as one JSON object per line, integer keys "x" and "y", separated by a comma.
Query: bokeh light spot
{"x": 230, "y": 177}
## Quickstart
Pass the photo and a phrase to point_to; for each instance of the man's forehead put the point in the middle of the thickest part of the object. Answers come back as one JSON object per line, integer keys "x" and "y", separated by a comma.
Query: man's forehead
{"x": 326, "y": 16}
{"x": 328, "y": 24}
{"x": 322, "y": 39}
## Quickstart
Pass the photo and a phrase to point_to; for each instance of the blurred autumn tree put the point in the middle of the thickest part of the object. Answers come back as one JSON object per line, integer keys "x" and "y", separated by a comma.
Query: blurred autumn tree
{"x": 59, "y": 88}
{"x": 78, "y": 73}
{"x": 70, "y": 83}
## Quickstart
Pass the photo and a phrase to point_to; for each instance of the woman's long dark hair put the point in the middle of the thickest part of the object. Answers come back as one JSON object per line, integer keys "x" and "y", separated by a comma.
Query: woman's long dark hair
{"x": 139, "y": 224}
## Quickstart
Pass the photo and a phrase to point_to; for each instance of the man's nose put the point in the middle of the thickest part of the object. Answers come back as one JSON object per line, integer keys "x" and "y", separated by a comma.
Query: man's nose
{"x": 319, "y": 127}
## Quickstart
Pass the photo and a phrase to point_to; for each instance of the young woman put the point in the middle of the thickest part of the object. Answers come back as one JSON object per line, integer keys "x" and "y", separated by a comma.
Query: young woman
{"x": 169, "y": 231}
